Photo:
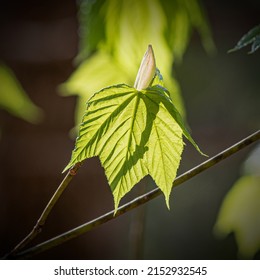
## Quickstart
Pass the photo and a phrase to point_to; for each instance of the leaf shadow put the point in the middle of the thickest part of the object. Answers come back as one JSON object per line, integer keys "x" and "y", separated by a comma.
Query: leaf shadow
{"x": 152, "y": 108}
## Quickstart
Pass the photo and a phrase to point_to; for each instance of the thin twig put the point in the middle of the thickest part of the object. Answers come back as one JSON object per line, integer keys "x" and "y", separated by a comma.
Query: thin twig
{"x": 137, "y": 225}
{"x": 60, "y": 239}
{"x": 41, "y": 221}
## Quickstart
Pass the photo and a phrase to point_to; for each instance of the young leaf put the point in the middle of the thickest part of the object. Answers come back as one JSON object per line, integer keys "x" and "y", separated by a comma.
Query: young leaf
{"x": 113, "y": 34}
{"x": 134, "y": 133}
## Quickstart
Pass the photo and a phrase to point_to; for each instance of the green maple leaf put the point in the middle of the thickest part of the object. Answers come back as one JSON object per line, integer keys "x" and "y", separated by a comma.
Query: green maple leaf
{"x": 114, "y": 33}
{"x": 134, "y": 133}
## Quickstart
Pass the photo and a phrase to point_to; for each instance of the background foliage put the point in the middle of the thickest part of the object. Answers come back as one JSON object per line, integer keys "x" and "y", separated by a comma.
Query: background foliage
{"x": 240, "y": 210}
{"x": 14, "y": 99}
{"x": 115, "y": 34}
{"x": 39, "y": 42}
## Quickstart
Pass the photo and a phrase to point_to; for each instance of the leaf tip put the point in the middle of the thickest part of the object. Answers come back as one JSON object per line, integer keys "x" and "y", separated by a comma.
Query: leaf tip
{"x": 167, "y": 199}
{"x": 232, "y": 50}
{"x": 65, "y": 169}
{"x": 115, "y": 211}
{"x": 117, "y": 199}
{"x": 197, "y": 147}
{"x": 203, "y": 154}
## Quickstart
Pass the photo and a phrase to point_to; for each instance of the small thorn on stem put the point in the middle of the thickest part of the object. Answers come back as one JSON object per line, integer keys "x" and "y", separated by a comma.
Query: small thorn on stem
{"x": 74, "y": 169}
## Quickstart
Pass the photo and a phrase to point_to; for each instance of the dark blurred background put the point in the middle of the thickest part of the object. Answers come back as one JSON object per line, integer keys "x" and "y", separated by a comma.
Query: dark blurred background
{"x": 38, "y": 41}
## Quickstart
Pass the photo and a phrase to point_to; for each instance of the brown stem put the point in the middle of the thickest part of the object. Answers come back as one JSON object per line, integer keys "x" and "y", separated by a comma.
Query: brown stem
{"x": 137, "y": 201}
{"x": 41, "y": 221}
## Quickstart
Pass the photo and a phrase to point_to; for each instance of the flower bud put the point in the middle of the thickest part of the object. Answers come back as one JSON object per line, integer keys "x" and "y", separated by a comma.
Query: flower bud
{"x": 146, "y": 70}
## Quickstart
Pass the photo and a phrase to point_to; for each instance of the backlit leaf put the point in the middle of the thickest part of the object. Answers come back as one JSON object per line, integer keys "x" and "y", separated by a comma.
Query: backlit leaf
{"x": 134, "y": 133}
{"x": 114, "y": 33}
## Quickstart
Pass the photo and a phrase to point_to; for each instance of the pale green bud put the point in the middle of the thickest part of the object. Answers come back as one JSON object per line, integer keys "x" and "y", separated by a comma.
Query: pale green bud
{"x": 146, "y": 70}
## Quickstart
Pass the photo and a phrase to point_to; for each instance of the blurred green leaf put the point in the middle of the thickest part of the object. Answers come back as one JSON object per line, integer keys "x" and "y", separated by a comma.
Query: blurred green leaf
{"x": 184, "y": 16}
{"x": 251, "y": 165}
{"x": 92, "y": 27}
{"x": 118, "y": 32}
{"x": 252, "y": 37}
{"x": 240, "y": 213}
{"x": 14, "y": 99}
{"x": 99, "y": 71}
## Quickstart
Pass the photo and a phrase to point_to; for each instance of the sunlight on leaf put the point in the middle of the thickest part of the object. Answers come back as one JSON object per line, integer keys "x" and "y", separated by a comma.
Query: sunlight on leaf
{"x": 240, "y": 213}
{"x": 134, "y": 133}
{"x": 118, "y": 31}
{"x": 98, "y": 72}
{"x": 14, "y": 99}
